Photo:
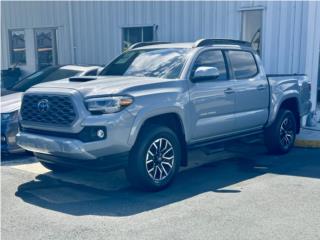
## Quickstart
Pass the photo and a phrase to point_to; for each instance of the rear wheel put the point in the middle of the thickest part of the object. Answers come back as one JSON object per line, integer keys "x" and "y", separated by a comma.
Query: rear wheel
{"x": 55, "y": 167}
{"x": 155, "y": 158}
{"x": 280, "y": 136}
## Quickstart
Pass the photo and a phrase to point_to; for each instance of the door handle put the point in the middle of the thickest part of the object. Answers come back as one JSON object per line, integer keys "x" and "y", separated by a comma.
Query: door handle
{"x": 261, "y": 87}
{"x": 229, "y": 91}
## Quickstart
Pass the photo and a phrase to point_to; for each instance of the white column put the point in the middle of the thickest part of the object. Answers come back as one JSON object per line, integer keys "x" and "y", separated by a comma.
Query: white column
{"x": 313, "y": 48}
{"x": 72, "y": 46}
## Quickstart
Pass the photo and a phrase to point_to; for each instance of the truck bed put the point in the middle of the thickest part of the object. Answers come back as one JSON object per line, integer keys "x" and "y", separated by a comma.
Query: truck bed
{"x": 290, "y": 84}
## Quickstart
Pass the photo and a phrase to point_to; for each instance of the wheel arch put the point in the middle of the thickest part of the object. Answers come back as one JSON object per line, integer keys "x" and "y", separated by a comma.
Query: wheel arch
{"x": 292, "y": 104}
{"x": 171, "y": 120}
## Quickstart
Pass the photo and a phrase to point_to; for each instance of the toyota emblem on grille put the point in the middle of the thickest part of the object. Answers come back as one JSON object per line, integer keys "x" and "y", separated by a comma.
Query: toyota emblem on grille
{"x": 43, "y": 105}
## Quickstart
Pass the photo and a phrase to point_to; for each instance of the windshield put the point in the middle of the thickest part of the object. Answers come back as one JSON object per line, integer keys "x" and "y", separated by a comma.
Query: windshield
{"x": 46, "y": 75}
{"x": 161, "y": 63}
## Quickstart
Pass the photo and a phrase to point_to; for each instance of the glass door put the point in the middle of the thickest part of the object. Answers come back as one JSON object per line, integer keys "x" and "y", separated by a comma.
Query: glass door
{"x": 46, "y": 50}
{"x": 251, "y": 28}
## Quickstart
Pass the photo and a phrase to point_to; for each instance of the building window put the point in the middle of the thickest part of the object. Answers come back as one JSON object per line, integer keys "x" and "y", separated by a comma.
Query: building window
{"x": 46, "y": 51}
{"x": 251, "y": 28}
{"x": 17, "y": 47}
{"x": 133, "y": 35}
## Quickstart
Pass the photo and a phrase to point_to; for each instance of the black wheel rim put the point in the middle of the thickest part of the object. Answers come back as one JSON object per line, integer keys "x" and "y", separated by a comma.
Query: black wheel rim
{"x": 287, "y": 132}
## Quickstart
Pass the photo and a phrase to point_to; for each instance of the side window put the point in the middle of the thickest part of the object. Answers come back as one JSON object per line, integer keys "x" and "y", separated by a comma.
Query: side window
{"x": 243, "y": 64}
{"x": 212, "y": 58}
{"x": 92, "y": 73}
{"x": 60, "y": 74}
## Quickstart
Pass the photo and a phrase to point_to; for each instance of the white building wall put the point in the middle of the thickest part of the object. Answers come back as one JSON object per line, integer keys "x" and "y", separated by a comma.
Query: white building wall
{"x": 291, "y": 33}
{"x": 176, "y": 21}
{"x": 312, "y": 56}
{"x": 29, "y": 16}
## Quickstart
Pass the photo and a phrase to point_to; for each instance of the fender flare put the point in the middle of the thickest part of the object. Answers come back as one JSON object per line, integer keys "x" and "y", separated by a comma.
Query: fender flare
{"x": 145, "y": 114}
{"x": 275, "y": 107}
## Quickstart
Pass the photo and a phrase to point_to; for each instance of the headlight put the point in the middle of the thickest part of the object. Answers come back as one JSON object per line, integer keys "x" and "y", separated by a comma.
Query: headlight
{"x": 9, "y": 116}
{"x": 109, "y": 104}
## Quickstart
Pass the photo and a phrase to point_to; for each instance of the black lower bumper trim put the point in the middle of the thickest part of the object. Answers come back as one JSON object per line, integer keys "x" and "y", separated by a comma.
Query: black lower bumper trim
{"x": 104, "y": 163}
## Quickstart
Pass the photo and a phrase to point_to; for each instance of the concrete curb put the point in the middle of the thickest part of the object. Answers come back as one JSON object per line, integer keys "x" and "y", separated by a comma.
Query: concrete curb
{"x": 307, "y": 143}
{"x": 308, "y": 138}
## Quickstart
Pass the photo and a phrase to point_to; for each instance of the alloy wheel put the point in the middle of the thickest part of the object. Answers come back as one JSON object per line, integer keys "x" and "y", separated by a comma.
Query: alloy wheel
{"x": 286, "y": 133}
{"x": 160, "y": 159}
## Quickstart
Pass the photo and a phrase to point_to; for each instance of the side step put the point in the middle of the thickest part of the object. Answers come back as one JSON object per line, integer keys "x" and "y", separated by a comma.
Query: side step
{"x": 219, "y": 145}
{"x": 212, "y": 150}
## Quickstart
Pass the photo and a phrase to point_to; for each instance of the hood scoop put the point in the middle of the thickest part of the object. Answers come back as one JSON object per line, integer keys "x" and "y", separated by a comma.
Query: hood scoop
{"x": 82, "y": 79}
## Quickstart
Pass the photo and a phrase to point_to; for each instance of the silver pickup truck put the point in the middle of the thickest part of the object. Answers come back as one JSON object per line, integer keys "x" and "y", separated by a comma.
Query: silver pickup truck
{"x": 156, "y": 101}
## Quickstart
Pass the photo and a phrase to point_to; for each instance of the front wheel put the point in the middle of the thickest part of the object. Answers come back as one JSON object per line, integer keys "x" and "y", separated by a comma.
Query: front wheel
{"x": 280, "y": 136}
{"x": 155, "y": 158}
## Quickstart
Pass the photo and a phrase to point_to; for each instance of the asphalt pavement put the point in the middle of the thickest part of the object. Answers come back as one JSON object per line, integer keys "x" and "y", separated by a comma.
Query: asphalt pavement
{"x": 245, "y": 194}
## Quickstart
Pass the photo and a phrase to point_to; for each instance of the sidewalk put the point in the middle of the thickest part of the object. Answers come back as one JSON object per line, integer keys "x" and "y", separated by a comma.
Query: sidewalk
{"x": 309, "y": 137}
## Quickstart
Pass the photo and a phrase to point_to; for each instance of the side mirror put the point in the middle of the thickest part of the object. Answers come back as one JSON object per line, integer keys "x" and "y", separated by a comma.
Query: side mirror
{"x": 205, "y": 74}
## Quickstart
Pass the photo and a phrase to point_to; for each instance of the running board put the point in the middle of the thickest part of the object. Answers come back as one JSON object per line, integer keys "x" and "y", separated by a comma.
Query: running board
{"x": 219, "y": 143}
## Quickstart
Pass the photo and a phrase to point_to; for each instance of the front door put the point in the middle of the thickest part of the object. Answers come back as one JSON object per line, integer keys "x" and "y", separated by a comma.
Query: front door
{"x": 212, "y": 101}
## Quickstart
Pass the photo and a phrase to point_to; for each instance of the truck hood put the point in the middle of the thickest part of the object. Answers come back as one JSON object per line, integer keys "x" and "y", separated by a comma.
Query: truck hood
{"x": 104, "y": 85}
{"x": 11, "y": 102}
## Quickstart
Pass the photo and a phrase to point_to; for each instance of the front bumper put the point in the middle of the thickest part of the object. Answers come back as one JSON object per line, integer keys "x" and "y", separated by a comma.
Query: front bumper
{"x": 62, "y": 141}
{"x": 55, "y": 146}
{"x": 9, "y": 129}
{"x": 70, "y": 148}
{"x": 117, "y": 127}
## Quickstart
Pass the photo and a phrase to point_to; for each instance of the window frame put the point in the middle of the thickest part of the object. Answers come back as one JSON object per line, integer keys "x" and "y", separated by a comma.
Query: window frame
{"x": 123, "y": 28}
{"x": 231, "y": 67}
{"x": 245, "y": 10}
{"x": 54, "y": 45}
{"x": 225, "y": 59}
{"x": 11, "y": 46}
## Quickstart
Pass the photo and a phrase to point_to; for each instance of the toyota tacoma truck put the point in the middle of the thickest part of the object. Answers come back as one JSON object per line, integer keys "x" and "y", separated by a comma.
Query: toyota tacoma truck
{"x": 157, "y": 100}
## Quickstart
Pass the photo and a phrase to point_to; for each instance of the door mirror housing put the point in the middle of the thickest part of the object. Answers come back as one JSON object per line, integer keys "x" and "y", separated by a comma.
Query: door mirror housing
{"x": 205, "y": 73}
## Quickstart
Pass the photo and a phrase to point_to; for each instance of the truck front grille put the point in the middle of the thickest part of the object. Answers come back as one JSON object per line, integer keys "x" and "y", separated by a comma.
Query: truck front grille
{"x": 48, "y": 109}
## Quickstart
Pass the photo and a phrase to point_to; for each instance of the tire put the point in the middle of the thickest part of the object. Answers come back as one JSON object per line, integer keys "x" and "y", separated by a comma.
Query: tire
{"x": 280, "y": 136}
{"x": 55, "y": 167}
{"x": 152, "y": 165}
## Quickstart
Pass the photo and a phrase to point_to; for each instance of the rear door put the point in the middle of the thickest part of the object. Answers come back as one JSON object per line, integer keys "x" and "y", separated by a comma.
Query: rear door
{"x": 212, "y": 101}
{"x": 251, "y": 91}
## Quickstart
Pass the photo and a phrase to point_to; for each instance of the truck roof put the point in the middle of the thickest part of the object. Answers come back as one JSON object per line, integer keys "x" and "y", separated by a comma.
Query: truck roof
{"x": 230, "y": 43}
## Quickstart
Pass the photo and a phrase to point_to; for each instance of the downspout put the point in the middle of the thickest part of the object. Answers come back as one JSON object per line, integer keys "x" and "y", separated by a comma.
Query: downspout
{"x": 72, "y": 47}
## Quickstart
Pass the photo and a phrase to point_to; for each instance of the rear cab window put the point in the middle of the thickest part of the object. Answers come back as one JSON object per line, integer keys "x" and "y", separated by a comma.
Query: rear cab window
{"x": 243, "y": 64}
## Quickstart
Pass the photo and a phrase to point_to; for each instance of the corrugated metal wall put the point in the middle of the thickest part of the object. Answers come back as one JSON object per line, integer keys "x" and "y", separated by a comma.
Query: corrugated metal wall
{"x": 291, "y": 32}
{"x": 31, "y": 15}
{"x": 176, "y": 21}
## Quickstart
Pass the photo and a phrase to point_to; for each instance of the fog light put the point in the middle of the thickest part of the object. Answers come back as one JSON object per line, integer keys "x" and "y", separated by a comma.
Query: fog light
{"x": 100, "y": 133}
{"x": 3, "y": 139}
